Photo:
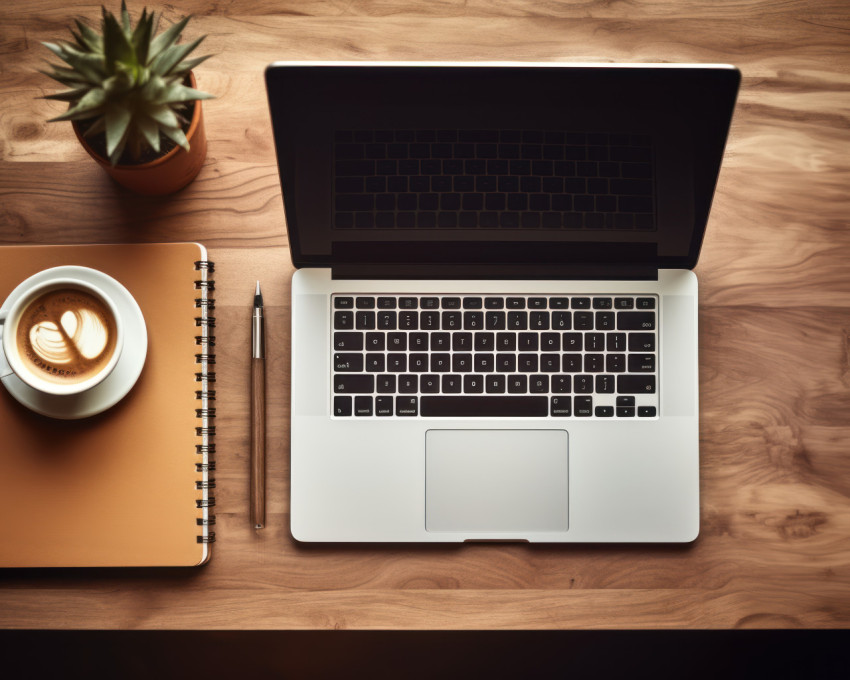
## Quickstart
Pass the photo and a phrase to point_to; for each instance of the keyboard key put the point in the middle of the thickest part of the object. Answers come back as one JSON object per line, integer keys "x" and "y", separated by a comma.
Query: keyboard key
{"x": 354, "y": 383}
{"x": 624, "y": 303}
{"x": 636, "y": 384}
{"x": 375, "y": 363}
{"x": 451, "y": 383}
{"x": 343, "y": 320}
{"x": 506, "y": 342}
{"x": 441, "y": 363}
{"x": 494, "y": 384}
{"x": 594, "y": 363}
{"x": 560, "y": 406}
{"x": 383, "y": 406}
{"x": 635, "y": 321}
{"x": 462, "y": 363}
{"x": 408, "y": 321}
{"x": 594, "y": 342}
{"x": 571, "y": 363}
{"x": 440, "y": 341}
{"x": 494, "y": 321}
{"x": 494, "y": 303}
{"x": 506, "y": 363}
{"x": 364, "y": 303}
{"x": 625, "y": 411}
{"x": 583, "y": 384}
{"x": 646, "y": 411}
{"x": 396, "y": 363}
{"x": 581, "y": 303}
{"x": 473, "y": 321}
{"x": 484, "y": 363}
{"x": 429, "y": 384}
{"x": 364, "y": 321}
{"x": 452, "y": 321}
{"x": 387, "y": 321}
{"x": 461, "y": 342}
{"x": 451, "y": 303}
{"x": 538, "y": 321}
{"x": 418, "y": 362}
{"x": 625, "y": 401}
{"x": 583, "y": 321}
{"x": 615, "y": 363}
{"x": 561, "y": 384}
{"x": 362, "y": 406}
{"x": 484, "y": 342}
{"x": 527, "y": 363}
{"x": 342, "y": 406}
{"x": 604, "y": 411}
{"x": 604, "y": 321}
{"x": 408, "y": 384}
{"x": 386, "y": 303}
{"x": 348, "y": 363}
{"x": 605, "y": 384}
{"x": 559, "y": 303}
{"x": 349, "y": 341}
{"x": 641, "y": 363}
{"x": 473, "y": 384}
{"x": 615, "y": 342}
{"x": 429, "y": 303}
{"x": 406, "y": 406}
{"x": 602, "y": 303}
{"x": 584, "y": 406}
{"x": 550, "y": 363}
{"x": 641, "y": 342}
{"x": 518, "y": 384}
{"x": 562, "y": 321}
{"x": 645, "y": 303}
{"x": 515, "y": 303}
{"x": 375, "y": 342}
{"x": 472, "y": 303}
{"x": 537, "y": 303}
{"x": 528, "y": 342}
{"x": 418, "y": 342}
{"x": 518, "y": 321}
{"x": 343, "y": 303}
{"x": 572, "y": 342}
{"x": 429, "y": 321}
{"x": 408, "y": 303}
{"x": 485, "y": 406}
{"x": 385, "y": 384}
{"x": 538, "y": 384}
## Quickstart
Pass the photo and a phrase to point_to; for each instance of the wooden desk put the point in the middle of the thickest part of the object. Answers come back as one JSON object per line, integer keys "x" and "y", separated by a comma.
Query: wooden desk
{"x": 774, "y": 325}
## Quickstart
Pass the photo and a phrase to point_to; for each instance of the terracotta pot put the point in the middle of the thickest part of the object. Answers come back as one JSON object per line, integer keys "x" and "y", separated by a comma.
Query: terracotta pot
{"x": 166, "y": 174}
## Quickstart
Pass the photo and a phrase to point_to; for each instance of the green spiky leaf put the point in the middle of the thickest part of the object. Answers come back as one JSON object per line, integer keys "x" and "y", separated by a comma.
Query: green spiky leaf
{"x": 129, "y": 82}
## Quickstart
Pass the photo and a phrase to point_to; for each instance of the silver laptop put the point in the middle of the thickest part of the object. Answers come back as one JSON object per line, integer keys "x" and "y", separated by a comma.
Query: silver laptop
{"x": 494, "y": 314}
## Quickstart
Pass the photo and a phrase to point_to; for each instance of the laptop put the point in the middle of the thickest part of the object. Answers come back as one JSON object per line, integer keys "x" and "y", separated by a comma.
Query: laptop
{"x": 494, "y": 313}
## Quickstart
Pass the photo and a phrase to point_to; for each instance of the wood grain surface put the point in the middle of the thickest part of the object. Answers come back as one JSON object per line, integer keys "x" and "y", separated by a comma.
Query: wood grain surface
{"x": 774, "y": 549}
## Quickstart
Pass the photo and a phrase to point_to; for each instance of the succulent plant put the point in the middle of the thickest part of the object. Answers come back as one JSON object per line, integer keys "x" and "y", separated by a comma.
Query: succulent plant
{"x": 128, "y": 81}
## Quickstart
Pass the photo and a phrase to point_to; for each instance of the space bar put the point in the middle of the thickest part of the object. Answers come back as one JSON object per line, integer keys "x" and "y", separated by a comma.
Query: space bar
{"x": 471, "y": 406}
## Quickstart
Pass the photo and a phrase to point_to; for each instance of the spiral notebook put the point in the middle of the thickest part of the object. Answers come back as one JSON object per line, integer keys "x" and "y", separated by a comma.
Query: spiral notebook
{"x": 131, "y": 486}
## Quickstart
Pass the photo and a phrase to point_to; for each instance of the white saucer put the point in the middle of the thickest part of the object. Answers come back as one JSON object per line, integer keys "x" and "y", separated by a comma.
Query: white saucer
{"x": 118, "y": 383}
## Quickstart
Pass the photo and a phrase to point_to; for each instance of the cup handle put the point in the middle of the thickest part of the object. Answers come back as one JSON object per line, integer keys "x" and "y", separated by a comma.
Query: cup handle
{"x": 5, "y": 369}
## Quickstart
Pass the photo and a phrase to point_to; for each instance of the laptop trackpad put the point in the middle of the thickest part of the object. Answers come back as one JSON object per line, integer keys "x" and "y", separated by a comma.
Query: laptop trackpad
{"x": 496, "y": 480}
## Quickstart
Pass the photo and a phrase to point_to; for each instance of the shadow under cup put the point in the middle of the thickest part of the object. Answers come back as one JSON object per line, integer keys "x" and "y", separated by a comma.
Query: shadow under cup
{"x": 62, "y": 336}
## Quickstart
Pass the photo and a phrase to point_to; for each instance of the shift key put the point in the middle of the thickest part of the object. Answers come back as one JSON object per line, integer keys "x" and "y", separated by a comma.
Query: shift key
{"x": 354, "y": 384}
{"x": 636, "y": 384}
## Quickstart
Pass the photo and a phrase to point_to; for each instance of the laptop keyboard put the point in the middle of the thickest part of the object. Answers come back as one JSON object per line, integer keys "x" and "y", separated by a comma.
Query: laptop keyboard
{"x": 492, "y": 179}
{"x": 494, "y": 356}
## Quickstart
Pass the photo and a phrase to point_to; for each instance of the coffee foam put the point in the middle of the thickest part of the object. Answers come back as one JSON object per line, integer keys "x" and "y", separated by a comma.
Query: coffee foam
{"x": 66, "y": 336}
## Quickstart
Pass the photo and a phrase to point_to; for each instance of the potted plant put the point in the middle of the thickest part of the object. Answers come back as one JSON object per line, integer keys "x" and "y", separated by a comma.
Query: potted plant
{"x": 132, "y": 100}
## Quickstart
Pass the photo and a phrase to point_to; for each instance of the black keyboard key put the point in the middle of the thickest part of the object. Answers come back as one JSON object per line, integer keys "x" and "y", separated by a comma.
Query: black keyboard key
{"x": 441, "y": 363}
{"x": 517, "y": 384}
{"x": 342, "y": 406}
{"x": 537, "y": 303}
{"x": 538, "y": 321}
{"x": 364, "y": 321}
{"x": 505, "y": 342}
{"x": 383, "y": 406}
{"x": 581, "y": 303}
{"x": 375, "y": 363}
{"x": 625, "y": 411}
{"x": 604, "y": 411}
{"x": 562, "y": 321}
{"x": 348, "y": 384}
{"x": 583, "y": 384}
{"x": 645, "y": 303}
{"x": 375, "y": 342}
{"x": 527, "y": 363}
{"x": 408, "y": 384}
{"x": 349, "y": 341}
{"x": 473, "y": 384}
{"x": 452, "y": 321}
{"x": 494, "y": 303}
{"x": 406, "y": 406}
{"x": 429, "y": 321}
{"x": 594, "y": 363}
{"x": 550, "y": 342}
{"x": 385, "y": 384}
{"x": 429, "y": 384}
{"x": 343, "y": 303}
{"x": 562, "y": 384}
{"x": 440, "y": 342}
{"x": 485, "y": 406}
{"x": 605, "y": 384}
{"x": 559, "y": 303}
{"x": 604, "y": 321}
{"x": 473, "y": 321}
{"x": 641, "y": 342}
{"x": 451, "y": 384}
{"x": 408, "y": 303}
{"x": 397, "y": 342}
{"x": 560, "y": 406}
{"x": 615, "y": 363}
{"x": 571, "y": 363}
{"x": 418, "y": 363}
{"x": 484, "y": 363}
{"x": 494, "y": 321}
{"x": 362, "y": 406}
{"x": 584, "y": 406}
{"x": 518, "y": 321}
{"x": 583, "y": 321}
{"x": 348, "y": 363}
{"x": 636, "y": 384}
{"x": 364, "y": 303}
{"x": 572, "y": 342}
{"x": 462, "y": 363}
{"x": 646, "y": 411}
{"x": 451, "y": 303}
{"x": 461, "y": 342}
{"x": 625, "y": 401}
{"x": 528, "y": 342}
{"x": 641, "y": 363}
{"x": 505, "y": 363}
{"x": 396, "y": 363}
{"x": 472, "y": 303}
{"x": 408, "y": 321}
{"x": 538, "y": 384}
{"x": 624, "y": 303}
{"x": 418, "y": 342}
{"x": 615, "y": 342}
{"x": 550, "y": 363}
{"x": 484, "y": 342}
{"x": 429, "y": 303}
{"x": 515, "y": 303}
{"x": 594, "y": 342}
{"x": 386, "y": 303}
{"x": 387, "y": 321}
{"x": 343, "y": 321}
{"x": 635, "y": 321}
{"x": 495, "y": 384}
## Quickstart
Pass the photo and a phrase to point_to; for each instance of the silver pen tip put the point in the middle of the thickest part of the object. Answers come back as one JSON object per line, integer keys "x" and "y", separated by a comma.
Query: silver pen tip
{"x": 258, "y": 296}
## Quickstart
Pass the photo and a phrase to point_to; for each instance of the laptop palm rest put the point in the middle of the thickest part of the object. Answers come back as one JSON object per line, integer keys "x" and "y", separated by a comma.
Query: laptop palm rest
{"x": 496, "y": 480}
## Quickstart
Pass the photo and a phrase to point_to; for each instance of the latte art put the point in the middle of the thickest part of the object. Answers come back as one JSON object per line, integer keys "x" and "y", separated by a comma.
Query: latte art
{"x": 66, "y": 336}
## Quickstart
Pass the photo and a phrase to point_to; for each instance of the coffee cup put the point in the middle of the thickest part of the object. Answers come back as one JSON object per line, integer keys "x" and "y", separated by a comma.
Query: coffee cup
{"x": 62, "y": 336}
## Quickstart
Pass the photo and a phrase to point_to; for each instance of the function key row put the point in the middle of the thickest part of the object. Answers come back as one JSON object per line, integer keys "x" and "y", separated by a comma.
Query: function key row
{"x": 452, "y": 302}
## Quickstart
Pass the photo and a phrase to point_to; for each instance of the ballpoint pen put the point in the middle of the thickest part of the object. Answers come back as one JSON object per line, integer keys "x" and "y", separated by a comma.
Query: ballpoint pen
{"x": 258, "y": 414}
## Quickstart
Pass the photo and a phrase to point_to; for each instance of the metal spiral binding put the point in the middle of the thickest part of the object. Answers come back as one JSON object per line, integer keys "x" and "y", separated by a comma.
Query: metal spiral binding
{"x": 206, "y": 396}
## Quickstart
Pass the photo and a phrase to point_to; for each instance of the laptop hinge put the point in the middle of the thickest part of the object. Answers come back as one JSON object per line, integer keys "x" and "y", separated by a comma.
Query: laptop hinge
{"x": 486, "y": 271}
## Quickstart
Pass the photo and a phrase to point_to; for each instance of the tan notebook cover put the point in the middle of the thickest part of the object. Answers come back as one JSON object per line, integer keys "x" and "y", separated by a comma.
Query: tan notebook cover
{"x": 120, "y": 488}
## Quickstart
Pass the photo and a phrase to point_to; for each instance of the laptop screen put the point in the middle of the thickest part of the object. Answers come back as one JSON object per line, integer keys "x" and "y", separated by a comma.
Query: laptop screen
{"x": 496, "y": 164}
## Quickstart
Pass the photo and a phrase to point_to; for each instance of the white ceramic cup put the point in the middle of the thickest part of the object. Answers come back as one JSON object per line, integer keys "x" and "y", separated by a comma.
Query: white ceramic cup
{"x": 9, "y": 322}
